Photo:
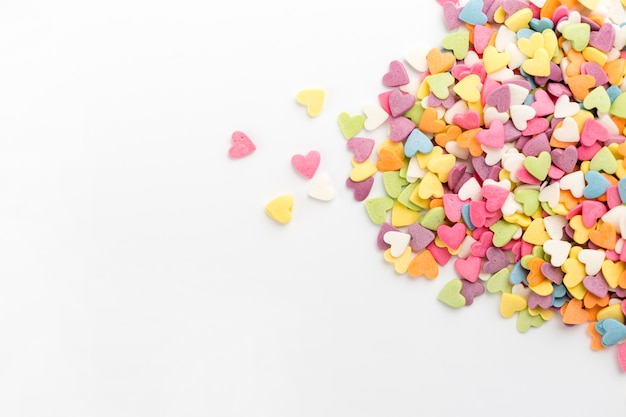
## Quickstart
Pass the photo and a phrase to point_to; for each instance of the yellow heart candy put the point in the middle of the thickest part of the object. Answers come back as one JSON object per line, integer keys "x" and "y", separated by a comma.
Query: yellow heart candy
{"x": 495, "y": 60}
{"x": 611, "y": 271}
{"x": 280, "y": 208}
{"x": 536, "y": 233}
{"x": 401, "y": 263}
{"x": 442, "y": 165}
{"x": 313, "y": 100}
{"x": 538, "y": 65}
{"x": 430, "y": 187}
{"x": 402, "y": 216}
{"x": 468, "y": 88}
{"x": 529, "y": 45}
{"x": 362, "y": 170}
{"x": 511, "y": 304}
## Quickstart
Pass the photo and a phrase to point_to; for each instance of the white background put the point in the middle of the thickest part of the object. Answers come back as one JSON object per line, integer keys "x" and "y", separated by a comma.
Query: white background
{"x": 139, "y": 273}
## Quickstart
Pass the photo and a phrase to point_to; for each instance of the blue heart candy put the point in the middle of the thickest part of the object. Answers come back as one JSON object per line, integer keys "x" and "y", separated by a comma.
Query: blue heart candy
{"x": 417, "y": 142}
{"x": 596, "y": 184}
{"x": 612, "y": 331}
{"x": 518, "y": 274}
{"x": 473, "y": 14}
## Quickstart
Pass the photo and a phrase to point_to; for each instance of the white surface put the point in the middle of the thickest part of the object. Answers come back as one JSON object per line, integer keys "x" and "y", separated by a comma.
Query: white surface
{"x": 139, "y": 273}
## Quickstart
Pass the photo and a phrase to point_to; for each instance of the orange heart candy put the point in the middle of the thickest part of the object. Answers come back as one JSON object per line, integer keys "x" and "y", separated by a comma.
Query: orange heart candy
{"x": 596, "y": 338}
{"x": 604, "y": 236}
{"x": 574, "y": 313}
{"x": 424, "y": 264}
{"x": 438, "y": 61}
{"x": 580, "y": 85}
{"x": 430, "y": 122}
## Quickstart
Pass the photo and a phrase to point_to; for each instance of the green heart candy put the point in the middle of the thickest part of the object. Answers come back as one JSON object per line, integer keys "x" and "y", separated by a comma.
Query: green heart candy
{"x": 538, "y": 166}
{"x": 525, "y": 321}
{"x": 503, "y": 232}
{"x": 415, "y": 113}
{"x": 499, "y": 282}
{"x": 618, "y": 107}
{"x": 577, "y": 34}
{"x": 377, "y": 208}
{"x": 598, "y": 99}
{"x": 439, "y": 84}
{"x": 458, "y": 43}
{"x": 529, "y": 199}
{"x": 451, "y": 295}
{"x": 405, "y": 197}
{"x": 603, "y": 160}
{"x": 393, "y": 183}
{"x": 433, "y": 218}
{"x": 350, "y": 125}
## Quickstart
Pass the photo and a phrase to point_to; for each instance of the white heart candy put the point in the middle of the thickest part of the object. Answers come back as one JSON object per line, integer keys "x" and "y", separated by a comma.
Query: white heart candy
{"x": 490, "y": 114}
{"x": 511, "y": 206}
{"x": 592, "y": 258}
{"x": 521, "y": 114}
{"x": 322, "y": 187}
{"x": 517, "y": 56}
{"x": 565, "y": 108}
{"x": 558, "y": 251}
{"x": 519, "y": 94}
{"x": 504, "y": 37}
{"x": 398, "y": 241}
{"x": 416, "y": 57}
{"x": 574, "y": 182}
{"x": 456, "y": 150}
{"x": 470, "y": 190}
{"x": 414, "y": 171}
{"x": 568, "y": 131}
{"x": 460, "y": 107}
{"x": 554, "y": 226}
{"x": 614, "y": 216}
{"x": 375, "y": 116}
{"x": 492, "y": 155}
{"x": 550, "y": 194}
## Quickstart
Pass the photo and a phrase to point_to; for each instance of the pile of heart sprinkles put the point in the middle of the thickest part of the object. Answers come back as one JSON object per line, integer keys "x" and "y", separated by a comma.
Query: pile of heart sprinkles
{"x": 505, "y": 154}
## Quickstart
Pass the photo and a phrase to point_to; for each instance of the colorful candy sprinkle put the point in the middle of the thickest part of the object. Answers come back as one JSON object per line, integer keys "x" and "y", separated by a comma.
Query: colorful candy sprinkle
{"x": 508, "y": 161}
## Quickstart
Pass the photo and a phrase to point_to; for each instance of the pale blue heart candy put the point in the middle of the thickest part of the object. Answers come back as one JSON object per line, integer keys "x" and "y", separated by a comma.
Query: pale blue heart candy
{"x": 465, "y": 212}
{"x": 596, "y": 184}
{"x": 539, "y": 25}
{"x": 417, "y": 142}
{"x": 621, "y": 187}
{"x": 612, "y": 331}
{"x": 518, "y": 274}
{"x": 473, "y": 14}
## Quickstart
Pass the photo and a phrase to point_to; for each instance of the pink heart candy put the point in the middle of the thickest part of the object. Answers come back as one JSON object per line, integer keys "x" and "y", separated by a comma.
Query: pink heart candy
{"x": 565, "y": 159}
{"x": 441, "y": 255}
{"x": 484, "y": 242}
{"x": 478, "y": 213}
{"x": 468, "y": 120}
{"x": 361, "y": 189}
{"x": 361, "y": 148}
{"x": 396, "y": 76}
{"x": 452, "y": 236}
{"x": 400, "y": 102}
{"x": 494, "y": 196}
{"x": 496, "y": 260}
{"x": 242, "y": 145}
{"x": 603, "y": 38}
{"x": 306, "y": 164}
{"x": 500, "y": 98}
{"x": 468, "y": 268}
{"x": 492, "y": 137}
{"x": 543, "y": 104}
{"x": 452, "y": 206}
{"x": 593, "y": 132}
{"x": 470, "y": 290}
{"x": 482, "y": 36}
{"x": 400, "y": 128}
{"x": 451, "y": 15}
{"x": 596, "y": 284}
{"x": 621, "y": 355}
{"x": 591, "y": 211}
{"x": 596, "y": 71}
{"x": 421, "y": 237}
